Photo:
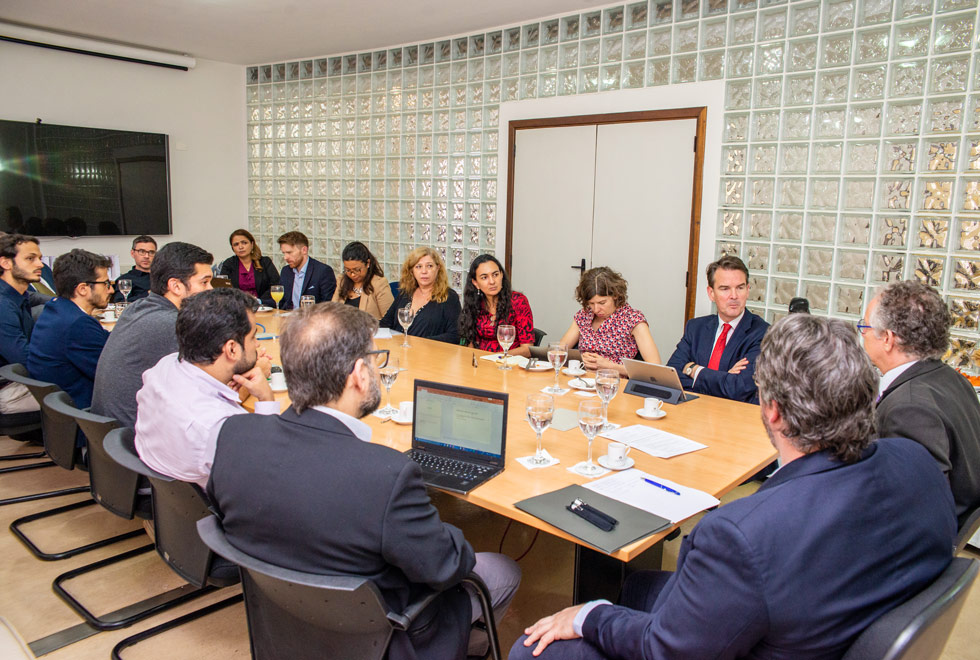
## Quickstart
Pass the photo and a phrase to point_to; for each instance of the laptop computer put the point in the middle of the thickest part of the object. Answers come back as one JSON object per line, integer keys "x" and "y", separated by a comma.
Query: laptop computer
{"x": 656, "y": 380}
{"x": 459, "y": 435}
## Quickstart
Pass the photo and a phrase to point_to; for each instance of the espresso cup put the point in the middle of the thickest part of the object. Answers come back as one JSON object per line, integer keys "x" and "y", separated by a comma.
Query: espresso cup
{"x": 617, "y": 453}
{"x": 574, "y": 365}
{"x": 405, "y": 410}
{"x": 109, "y": 315}
{"x": 278, "y": 381}
{"x": 652, "y": 406}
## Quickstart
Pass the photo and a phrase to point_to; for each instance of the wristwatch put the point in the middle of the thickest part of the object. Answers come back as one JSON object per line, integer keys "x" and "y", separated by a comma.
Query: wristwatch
{"x": 689, "y": 369}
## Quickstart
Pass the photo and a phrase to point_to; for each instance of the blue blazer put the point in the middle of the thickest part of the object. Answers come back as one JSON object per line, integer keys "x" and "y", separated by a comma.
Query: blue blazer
{"x": 800, "y": 568}
{"x": 320, "y": 283}
{"x": 696, "y": 346}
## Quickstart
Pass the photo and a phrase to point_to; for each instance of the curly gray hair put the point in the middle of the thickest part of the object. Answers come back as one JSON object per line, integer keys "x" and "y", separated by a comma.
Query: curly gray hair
{"x": 917, "y": 315}
{"x": 823, "y": 382}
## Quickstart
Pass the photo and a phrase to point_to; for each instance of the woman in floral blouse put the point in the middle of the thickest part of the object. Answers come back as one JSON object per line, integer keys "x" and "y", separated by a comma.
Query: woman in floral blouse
{"x": 488, "y": 302}
{"x": 607, "y": 329}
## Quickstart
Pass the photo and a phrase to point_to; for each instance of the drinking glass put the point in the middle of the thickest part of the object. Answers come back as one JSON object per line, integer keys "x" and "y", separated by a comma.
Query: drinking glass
{"x": 540, "y": 409}
{"x": 388, "y": 375}
{"x": 606, "y": 386}
{"x": 405, "y": 318}
{"x": 557, "y": 353}
{"x": 276, "y": 292}
{"x": 506, "y": 334}
{"x": 307, "y": 301}
{"x": 125, "y": 287}
{"x": 591, "y": 417}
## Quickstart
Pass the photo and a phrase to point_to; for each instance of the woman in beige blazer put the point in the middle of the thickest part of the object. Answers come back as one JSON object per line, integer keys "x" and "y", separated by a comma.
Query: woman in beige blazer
{"x": 363, "y": 284}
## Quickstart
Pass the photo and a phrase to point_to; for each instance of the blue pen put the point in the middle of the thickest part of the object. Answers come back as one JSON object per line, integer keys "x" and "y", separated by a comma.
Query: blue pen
{"x": 666, "y": 488}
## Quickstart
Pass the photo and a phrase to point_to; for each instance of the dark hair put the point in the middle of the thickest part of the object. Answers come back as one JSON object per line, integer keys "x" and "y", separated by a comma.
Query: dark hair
{"x": 256, "y": 253}
{"x": 727, "y": 262}
{"x": 73, "y": 268}
{"x": 9, "y": 243}
{"x": 208, "y": 320}
{"x": 319, "y": 347}
{"x": 601, "y": 281}
{"x": 473, "y": 300}
{"x": 143, "y": 238}
{"x": 357, "y": 251}
{"x": 176, "y": 260}
{"x": 823, "y": 382}
{"x": 917, "y": 315}
{"x": 294, "y": 238}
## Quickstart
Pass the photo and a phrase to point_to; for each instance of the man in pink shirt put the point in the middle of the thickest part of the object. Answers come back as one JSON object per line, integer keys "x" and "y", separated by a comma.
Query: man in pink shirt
{"x": 187, "y": 395}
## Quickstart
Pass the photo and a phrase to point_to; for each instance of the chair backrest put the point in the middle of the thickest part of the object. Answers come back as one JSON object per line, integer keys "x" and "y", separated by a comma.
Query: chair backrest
{"x": 60, "y": 432}
{"x": 299, "y": 615}
{"x": 919, "y": 628}
{"x": 177, "y": 506}
{"x": 539, "y": 334}
{"x": 395, "y": 288}
{"x": 967, "y": 530}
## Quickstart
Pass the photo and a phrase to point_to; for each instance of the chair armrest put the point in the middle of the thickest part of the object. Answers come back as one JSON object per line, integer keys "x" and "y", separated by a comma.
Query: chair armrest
{"x": 404, "y": 620}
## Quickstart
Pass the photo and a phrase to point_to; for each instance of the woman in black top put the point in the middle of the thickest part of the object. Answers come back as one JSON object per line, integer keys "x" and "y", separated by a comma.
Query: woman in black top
{"x": 425, "y": 286}
{"x": 248, "y": 270}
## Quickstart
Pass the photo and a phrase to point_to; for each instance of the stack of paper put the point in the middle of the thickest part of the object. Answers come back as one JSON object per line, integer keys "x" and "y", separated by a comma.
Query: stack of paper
{"x": 631, "y": 487}
{"x": 653, "y": 441}
{"x": 512, "y": 360}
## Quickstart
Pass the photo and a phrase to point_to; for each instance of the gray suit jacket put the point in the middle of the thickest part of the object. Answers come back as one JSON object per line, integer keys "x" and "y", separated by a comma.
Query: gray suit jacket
{"x": 935, "y": 406}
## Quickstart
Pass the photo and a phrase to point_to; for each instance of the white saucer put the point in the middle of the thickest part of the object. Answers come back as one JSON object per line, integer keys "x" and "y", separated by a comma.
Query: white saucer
{"x": 279, "y": 389}
{"x": 263, "y": 308}
{"x": 645, "y": 415}
{"x": 397, "y": 419}
{"x": 604, "y": 462}
{"x": 569, "y": 372}
{"x": 541, "y": 366}
{"x": 582, "y": 384}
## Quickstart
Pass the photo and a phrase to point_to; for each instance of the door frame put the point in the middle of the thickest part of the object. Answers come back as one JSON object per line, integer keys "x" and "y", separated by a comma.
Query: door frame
{"x": 699, "y": 113}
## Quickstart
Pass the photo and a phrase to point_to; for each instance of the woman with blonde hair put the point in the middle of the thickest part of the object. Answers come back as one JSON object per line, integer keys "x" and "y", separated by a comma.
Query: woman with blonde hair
{"x": 424, "y": 285}
{"x": 248, "y": 270}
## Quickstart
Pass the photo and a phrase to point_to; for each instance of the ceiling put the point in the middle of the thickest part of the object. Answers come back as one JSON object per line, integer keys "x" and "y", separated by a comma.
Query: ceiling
{"x": 260, "y": 31}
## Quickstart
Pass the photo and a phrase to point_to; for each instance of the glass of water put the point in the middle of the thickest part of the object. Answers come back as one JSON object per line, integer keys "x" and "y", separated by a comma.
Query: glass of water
{"x": 389, "y": 373}
{"x": 540, "y": 408}
{"x": 606, "y": 386}
{"x": 506, "y": 334}
{"x": 405, "y": 318}
{"x": 557, "y": 353}
{"x": 307, "y": 301}
{"x": 125, "y": 287}
{"x": 591, "y": 417}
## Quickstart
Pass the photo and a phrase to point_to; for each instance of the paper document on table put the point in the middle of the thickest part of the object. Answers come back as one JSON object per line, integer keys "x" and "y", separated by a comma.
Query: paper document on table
{"x": 512, "y": 360}
{"x": 382, "y": 333}
{"x": 630, "y": 487}
{"x": 653, "y": 441}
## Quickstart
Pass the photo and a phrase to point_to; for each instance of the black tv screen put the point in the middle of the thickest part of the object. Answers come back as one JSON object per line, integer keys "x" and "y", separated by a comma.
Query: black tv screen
{"x": 74, "y": 181}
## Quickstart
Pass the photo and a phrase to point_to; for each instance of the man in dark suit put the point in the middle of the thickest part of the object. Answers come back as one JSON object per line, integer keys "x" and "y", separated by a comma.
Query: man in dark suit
{"x": 303, "y": 275}
{"x": 906, "y": 331}
{"x": 847, "y": 529}
{"x": 308, "y": 491}
{"x": 717, "y": 353}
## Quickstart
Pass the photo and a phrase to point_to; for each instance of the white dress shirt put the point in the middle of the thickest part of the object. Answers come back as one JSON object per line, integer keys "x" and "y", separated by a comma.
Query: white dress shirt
{"x": 356, "y": 426}
{"x": 891, "y": 375}
{"x": 721, "y": 324}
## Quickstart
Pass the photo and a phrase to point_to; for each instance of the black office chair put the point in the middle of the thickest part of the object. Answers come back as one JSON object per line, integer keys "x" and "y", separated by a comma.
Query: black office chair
{"x": 538, "y": 336}
{"x": 967, "y": 530}
{"x": 919, "y": 628}
{"x": 20, "y": 424}
{"x": 299, "y": 615}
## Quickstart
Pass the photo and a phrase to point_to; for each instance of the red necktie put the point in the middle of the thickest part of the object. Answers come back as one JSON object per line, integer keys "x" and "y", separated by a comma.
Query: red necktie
{"x": 719, "y": 347}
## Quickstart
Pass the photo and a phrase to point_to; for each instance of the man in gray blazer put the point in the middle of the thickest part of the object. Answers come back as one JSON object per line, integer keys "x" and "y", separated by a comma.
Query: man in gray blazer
{"x": 906, "y": 331}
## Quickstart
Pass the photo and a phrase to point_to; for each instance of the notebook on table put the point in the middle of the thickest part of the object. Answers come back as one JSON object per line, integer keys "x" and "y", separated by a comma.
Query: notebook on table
{"x": 459, "y": 435}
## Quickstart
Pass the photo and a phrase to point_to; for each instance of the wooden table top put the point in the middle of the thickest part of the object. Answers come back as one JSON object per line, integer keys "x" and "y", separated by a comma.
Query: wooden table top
{"x": 738, "y": 446}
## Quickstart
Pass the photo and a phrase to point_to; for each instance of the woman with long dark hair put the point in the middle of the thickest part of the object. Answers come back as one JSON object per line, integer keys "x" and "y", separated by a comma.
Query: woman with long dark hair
{"x": 248, "y": 270}
{"x": 363, "y": 284}
{"x": 488, "y": 302}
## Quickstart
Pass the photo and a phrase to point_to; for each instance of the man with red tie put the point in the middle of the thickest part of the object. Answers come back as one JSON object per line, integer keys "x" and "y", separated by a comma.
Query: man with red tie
{"x": 717, "y": 353}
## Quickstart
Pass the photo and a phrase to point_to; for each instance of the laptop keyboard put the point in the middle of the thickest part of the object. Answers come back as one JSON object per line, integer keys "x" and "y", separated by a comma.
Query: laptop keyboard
{"x": 449, "y": 466}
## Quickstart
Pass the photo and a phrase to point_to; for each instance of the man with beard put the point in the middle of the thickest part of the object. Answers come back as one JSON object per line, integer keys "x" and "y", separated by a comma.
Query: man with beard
{"x": 188, "y": 394}
{"x": 844, "y": 531}
{"x": 20, "y": 266}
{"x": 308, "y": 491}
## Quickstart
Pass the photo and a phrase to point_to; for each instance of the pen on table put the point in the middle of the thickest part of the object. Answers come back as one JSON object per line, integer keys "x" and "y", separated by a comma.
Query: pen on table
{"x": 658, "y": 485}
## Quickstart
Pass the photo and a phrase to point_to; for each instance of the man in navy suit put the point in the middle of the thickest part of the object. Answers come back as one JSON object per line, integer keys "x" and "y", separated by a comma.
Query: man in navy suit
{"x": 846, "y": 530}
{"x": 717, "y": 353}
{"x": 305, "y": 276}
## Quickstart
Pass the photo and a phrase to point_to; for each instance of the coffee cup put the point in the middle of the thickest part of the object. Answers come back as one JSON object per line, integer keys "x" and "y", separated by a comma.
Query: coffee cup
{"x": 652, "y": 406}
{"x": 109, "y": 314}
{"x": 278, "y": 380}
{"x": 405, "y": 410}
{"x": 617, "y": 453}
{"x": 574, "y": 365}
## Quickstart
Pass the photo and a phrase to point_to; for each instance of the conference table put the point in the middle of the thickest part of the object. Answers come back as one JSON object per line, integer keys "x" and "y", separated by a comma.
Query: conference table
{"x": 737, "y": 444}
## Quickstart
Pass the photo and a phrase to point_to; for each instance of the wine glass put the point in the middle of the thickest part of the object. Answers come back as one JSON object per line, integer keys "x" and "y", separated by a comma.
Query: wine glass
{"x": 405, "y": 318}
{"x": 506, "y": 334}
{"x": 388, "y": 375}
{"x": 307, "y": 301}
{"x": 276, "y": 293}
{"x": 540, "y": 409}
{"x": 557, "y": 353}
{"x": 591, "y": 417}
{"x": 125, "y": 287}
{"x": 606, "y": 386}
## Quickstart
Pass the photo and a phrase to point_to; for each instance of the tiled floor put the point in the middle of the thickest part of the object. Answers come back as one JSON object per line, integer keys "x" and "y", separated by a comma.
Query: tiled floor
{"x": 27, "y": 601}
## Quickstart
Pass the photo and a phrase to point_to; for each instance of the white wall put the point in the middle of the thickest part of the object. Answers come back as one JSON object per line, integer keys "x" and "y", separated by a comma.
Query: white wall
{"x": 202, "y": 110}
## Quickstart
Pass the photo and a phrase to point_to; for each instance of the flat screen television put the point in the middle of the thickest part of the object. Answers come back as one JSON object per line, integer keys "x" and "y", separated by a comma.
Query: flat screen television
{"x": 74, "y": 181}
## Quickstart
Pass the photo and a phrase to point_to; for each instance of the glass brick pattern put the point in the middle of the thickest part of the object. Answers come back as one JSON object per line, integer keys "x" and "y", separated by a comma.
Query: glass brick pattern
{"x": 851, "y": 139}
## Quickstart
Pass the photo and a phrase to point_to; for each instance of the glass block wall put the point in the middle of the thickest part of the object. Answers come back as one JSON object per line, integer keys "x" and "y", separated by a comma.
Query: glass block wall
{"x": 851, "y": 139}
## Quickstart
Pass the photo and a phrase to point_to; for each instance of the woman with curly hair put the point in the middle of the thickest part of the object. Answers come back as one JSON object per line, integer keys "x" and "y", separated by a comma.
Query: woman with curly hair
{"x": 425, "y": 286}
{"x": 488, "y": 302}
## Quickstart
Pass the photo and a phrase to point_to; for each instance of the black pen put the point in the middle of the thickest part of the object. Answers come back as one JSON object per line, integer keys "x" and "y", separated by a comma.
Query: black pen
{"x": 666, "y": 488}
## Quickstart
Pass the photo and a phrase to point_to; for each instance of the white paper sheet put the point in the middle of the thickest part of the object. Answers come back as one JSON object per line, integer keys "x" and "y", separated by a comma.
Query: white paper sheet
{"x": 512, "y": 360}
{"x": 653, "y": 441}
{"x": 382, "y": 333}
{"x": 629, "y": 486}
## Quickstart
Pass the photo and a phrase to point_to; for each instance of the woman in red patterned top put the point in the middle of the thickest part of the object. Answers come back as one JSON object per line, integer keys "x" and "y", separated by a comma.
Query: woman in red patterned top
{"x": 489, "y": 302}
{"x": 607, "y": 329}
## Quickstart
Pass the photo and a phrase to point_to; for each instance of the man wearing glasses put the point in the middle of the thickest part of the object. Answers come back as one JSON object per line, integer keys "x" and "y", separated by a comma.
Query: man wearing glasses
{"x": 144, "y": 249}
{"x": 67, "y": 339}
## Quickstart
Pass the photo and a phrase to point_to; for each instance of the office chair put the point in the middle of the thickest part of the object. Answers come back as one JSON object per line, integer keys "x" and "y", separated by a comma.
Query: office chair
{"x": 15, "y": 424}
{"x": 919, "y": 628}
{"x": 967, "y": 530}
{"x": 538, "y": 336}
{"x": 303, "y": 615}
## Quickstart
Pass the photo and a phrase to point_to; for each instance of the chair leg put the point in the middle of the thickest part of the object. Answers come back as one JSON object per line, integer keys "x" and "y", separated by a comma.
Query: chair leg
{"x": 108, "y": 624}
{"x": 29, "y": 466}
{"x": 65, "y": 554}
{"x": 483, "y": 595}
{"x": 169, "y": 625}
{"x": 18, "y": 457}
{"x": 44, "y": 495}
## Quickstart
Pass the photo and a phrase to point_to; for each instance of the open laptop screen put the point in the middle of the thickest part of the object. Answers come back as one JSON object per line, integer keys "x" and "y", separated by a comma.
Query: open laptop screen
{"x": 460, "y": 418}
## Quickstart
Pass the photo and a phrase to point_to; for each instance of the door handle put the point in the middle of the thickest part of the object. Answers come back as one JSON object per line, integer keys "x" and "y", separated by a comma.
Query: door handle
{"x": 580, "y": 267}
